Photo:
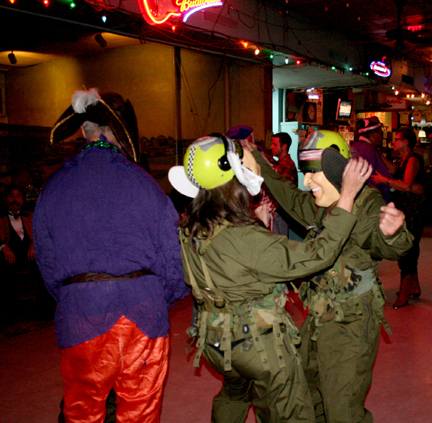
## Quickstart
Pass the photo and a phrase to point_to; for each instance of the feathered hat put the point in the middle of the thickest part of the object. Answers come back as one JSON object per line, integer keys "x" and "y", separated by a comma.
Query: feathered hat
{"x": 108, "y": 109}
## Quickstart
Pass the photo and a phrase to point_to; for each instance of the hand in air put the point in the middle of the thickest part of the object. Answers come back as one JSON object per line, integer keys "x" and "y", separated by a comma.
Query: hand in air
{"x": 390, "y": 219}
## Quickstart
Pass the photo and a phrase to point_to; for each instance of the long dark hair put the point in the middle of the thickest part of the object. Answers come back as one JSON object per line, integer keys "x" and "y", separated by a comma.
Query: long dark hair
{"x": 228, "y": 202}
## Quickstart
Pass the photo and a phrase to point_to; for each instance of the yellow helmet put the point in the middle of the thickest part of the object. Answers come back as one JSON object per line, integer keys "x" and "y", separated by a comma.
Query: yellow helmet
{"x": 210, "y": 162}
{"x": 206, "y": 161}
{"x": 310, "y": 150}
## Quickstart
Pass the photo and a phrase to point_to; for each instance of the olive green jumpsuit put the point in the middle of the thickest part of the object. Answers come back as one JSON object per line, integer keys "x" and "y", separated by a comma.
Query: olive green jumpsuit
{"x": 244, "y": 331}
{"x": 346, "y": 302}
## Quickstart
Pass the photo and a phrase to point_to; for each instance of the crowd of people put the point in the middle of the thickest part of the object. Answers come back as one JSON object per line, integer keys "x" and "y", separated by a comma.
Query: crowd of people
{"x": 112, "y": 251}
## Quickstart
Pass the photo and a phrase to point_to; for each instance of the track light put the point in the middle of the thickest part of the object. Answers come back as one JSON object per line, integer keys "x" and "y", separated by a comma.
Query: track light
{"x": 12, "y": 58}
{"x": 100, "y": 40}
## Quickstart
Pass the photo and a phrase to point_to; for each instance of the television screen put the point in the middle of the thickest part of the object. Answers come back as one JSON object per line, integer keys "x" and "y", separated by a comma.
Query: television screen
{"x": 344, "y": 109}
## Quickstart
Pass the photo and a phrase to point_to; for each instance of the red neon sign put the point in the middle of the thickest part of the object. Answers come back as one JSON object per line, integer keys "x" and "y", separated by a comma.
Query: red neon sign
{"x": 156, "y": 12}
{"x": 414, "y": 28}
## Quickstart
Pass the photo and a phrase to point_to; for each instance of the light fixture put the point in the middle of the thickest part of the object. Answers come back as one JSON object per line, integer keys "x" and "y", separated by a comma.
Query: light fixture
{"x": 422, "y": 134}
{"x": 396, "y": 92}
{"x": 12, "y": 58}
{"x": 100, "y": 40}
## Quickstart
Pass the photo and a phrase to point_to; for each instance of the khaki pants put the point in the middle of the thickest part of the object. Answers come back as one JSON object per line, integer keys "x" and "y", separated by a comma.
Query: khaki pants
{"x": 278, "y": 395}
{"x": 338, "y": 366}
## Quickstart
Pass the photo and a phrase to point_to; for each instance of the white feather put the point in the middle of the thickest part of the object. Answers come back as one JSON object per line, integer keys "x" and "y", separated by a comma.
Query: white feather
{"x": 82, "y": 99}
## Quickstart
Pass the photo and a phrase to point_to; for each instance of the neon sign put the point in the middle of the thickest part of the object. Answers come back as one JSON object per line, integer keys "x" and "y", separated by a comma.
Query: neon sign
{"x": 156, "y": 12}
{"x": 195, "y": 5}
{"x": 414, "y": 28}
{"x": 380, "y": 68}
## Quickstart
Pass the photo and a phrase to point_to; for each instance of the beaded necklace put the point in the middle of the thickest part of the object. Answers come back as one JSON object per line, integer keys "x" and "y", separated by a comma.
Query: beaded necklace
{"x": 102, "y": 144}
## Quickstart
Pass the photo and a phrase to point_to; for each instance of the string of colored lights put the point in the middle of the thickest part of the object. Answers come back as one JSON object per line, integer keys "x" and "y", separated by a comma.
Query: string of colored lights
{"x": 263, "y": 52}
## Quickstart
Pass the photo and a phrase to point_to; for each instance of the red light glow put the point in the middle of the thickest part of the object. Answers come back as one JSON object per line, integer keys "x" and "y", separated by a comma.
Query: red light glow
{"x": 414, "y": 28}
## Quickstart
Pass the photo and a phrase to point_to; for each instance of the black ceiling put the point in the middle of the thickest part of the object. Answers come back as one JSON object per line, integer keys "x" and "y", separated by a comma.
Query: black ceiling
{"x": 29, "y": 25}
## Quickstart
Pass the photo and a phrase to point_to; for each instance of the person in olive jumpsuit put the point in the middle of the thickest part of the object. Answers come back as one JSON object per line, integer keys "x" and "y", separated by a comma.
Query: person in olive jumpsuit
{"x": 346, "y": 300}
{"x": 233, "y": 265}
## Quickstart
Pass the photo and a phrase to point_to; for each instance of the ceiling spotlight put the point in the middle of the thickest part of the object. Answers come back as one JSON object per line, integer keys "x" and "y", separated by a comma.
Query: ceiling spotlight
{"x": 12, "y": 58}
{"x": 100, "y": 40}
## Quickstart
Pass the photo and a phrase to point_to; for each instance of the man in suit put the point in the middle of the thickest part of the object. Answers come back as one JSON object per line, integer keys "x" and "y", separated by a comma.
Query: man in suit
{"x": 17, "y": 256}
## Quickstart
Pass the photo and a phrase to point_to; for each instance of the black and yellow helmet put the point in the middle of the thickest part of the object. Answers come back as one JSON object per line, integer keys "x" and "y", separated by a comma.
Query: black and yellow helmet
{"x": 210, "y": 162}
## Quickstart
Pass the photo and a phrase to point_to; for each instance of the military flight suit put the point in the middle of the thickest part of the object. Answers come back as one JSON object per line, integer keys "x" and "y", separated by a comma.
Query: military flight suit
{"x": 346, "y": 302}
{"x": 244, "y": 331}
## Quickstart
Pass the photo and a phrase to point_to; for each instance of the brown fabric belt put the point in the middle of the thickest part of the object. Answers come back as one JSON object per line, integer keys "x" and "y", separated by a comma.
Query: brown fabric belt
{"x": 96, "y": 277}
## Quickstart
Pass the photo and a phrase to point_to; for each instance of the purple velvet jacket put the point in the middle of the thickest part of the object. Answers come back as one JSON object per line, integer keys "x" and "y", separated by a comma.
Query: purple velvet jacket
{"x": 365, "y": 150}
{"x": 104, "y": 214}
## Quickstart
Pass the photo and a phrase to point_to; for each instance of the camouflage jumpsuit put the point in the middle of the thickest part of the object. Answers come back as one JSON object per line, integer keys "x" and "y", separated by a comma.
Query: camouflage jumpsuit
{"x": 346, "y": 302}
{"x": 244, "y": 331}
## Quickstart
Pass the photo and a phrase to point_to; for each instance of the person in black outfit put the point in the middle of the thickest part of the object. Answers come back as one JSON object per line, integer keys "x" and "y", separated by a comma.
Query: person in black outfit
{"x": 17, "y": 257}
{"x": 408, "y": 194}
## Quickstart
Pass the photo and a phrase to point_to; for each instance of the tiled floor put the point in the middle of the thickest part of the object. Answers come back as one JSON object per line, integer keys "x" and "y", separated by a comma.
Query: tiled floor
{"x": 31, "y": 387}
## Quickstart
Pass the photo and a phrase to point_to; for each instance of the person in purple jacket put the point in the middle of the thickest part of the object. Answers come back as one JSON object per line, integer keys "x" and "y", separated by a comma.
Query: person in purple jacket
{"x": 107, "y": 248}
{"x": 367, "y": 146}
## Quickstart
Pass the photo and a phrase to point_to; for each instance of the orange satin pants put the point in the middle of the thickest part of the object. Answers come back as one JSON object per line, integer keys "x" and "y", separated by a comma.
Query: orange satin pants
{"x": 124, "y": 359}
